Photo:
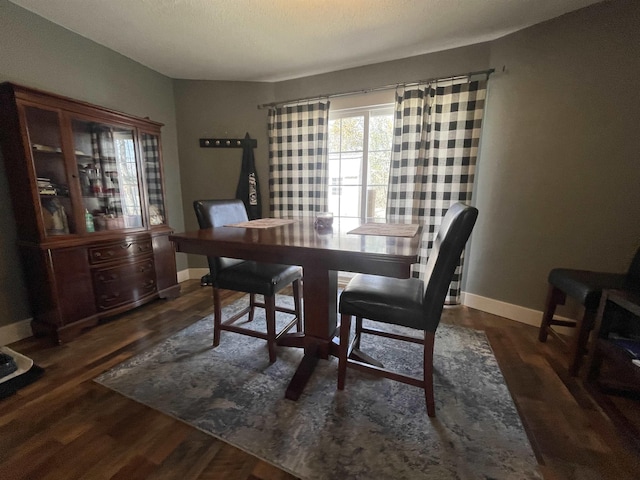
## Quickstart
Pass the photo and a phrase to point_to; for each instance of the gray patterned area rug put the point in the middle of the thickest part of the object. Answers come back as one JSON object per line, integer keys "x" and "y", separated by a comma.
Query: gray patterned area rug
{"x": 374, "y": 429}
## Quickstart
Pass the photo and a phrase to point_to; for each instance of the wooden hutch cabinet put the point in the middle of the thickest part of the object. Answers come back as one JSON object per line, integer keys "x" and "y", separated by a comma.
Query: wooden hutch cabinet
{"x": 87, "y": 190}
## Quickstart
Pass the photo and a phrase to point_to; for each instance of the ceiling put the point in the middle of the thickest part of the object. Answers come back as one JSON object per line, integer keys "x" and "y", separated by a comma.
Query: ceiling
{"x": 273, "y": 40}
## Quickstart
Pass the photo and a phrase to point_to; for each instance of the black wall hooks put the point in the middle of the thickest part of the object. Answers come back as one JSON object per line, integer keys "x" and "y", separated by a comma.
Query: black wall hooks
{"x": 227, "y": 142}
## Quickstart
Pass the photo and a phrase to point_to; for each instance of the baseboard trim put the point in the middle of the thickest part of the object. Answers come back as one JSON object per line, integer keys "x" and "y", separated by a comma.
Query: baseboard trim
{"x": 183, "y": 275}
{"x": 15, "y": 331}
{"x": 517, "y": 313}
{"x": 192, "y": 274}
{"x": 22, "y": 329}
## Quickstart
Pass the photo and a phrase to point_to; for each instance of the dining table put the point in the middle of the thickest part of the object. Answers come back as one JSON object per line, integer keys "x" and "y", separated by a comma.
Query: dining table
{"x": 322, "y": 253}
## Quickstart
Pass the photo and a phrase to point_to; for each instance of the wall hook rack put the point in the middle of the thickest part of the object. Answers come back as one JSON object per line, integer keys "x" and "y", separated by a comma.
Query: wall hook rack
{"x": 227, "y": 142}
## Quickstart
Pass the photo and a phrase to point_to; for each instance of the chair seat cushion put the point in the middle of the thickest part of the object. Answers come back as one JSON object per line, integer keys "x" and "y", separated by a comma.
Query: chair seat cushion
{"x": 256, "y": 277}
{"x": 385, "y": 299}
{"x": 584, "y": 285}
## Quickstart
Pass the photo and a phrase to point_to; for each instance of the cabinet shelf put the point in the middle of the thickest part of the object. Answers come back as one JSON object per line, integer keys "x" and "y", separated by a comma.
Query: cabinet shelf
{"x": 99, "y": 195}
{"x": 46, "y": 149}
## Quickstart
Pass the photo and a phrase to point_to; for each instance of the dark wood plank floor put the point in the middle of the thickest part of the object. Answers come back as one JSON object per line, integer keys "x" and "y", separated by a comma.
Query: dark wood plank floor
{"x": 65, "y": 426}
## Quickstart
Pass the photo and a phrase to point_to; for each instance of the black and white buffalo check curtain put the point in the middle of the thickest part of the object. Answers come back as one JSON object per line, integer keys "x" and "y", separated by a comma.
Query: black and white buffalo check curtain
{"x": 153, "y": 174}
{"x": 104, "y": 158}
{"x": 435, "y": 148}
{"x": 298, "y": 169}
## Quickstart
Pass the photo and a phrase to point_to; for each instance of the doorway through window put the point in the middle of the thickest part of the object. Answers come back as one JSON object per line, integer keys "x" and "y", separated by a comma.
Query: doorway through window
{"x": 360, "y": 142}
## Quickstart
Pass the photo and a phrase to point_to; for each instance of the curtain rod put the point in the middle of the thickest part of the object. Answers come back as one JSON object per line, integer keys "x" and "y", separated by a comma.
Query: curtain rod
{"x": 376, "y": 89}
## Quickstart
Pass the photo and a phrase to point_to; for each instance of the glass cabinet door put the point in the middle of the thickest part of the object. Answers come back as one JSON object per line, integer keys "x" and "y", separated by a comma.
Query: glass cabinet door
{"x": 108, "y": 175}
{"x": 52, "y": 175}
{"x": 153, "y": 174}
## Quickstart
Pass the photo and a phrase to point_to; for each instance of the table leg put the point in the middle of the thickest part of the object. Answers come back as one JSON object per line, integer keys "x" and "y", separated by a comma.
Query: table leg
{"x": 302, "y": 375}
{"x": 320, "y": 291}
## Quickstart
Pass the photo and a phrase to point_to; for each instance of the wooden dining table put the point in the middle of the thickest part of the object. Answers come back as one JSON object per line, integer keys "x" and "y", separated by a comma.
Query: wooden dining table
{"x": 321, "y": 254}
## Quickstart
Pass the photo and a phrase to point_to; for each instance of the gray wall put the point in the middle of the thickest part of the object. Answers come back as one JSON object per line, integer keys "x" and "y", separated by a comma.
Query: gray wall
{"x": 559, "y": 181}
{"x": 206, "y": 109}
{"x": 558, "y": 174}
{"x": 37, "y": 53}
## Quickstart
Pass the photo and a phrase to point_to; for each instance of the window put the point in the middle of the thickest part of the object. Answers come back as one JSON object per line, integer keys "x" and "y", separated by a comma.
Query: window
{"x": 360, "y": 142}
{"x": 127, "y": 175}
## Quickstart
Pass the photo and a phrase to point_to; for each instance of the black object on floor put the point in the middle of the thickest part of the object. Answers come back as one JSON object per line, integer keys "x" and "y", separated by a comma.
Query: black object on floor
{"x": 10, "y": 387}
{"x": 25, "y": 373}
{"x": 7, "y": 365}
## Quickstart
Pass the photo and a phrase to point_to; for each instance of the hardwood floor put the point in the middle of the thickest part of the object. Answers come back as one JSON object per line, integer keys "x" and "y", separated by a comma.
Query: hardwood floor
{"x": 65, "y": 426}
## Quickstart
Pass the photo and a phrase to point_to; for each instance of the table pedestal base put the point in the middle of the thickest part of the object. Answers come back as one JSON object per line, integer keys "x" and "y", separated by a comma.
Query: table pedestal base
{"x": 302, "y": 375}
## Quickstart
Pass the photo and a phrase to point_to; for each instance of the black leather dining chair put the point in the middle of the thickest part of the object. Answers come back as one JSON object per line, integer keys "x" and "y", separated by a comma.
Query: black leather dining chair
{"x": 407, "y": 302}
{"x": 584, "y": 286}
{"x": 254, "y": 278}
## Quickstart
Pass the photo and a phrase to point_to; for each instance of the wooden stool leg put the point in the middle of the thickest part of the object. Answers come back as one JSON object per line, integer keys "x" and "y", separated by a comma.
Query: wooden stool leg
{"x": 252, "y": 306}
{"x": 356, "y": 343}
{"x": 580, "y": 340}
{"x": 429, "y": 338}
{"x": 217, "y": 317}
{"x": 343, "y": 350}
{"x": 296, "y": 303}
{"x": 554, "y": 297}
{"x": 593, "y": 367}
{"x": 270, "y": 310}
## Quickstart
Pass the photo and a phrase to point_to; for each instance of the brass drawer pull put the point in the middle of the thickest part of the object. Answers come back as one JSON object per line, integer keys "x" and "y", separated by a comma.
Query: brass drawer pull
{"x": 107, "y": 278}
{"x": 109, "y": 297}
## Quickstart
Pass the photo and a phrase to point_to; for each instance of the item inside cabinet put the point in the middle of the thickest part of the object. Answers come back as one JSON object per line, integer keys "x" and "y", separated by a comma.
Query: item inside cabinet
{"x": 155, "y": 217}
{"x": 55, "y": 217}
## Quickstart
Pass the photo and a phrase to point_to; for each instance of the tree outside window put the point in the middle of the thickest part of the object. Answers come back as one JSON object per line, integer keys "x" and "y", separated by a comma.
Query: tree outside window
{"x": 360, "y": 142}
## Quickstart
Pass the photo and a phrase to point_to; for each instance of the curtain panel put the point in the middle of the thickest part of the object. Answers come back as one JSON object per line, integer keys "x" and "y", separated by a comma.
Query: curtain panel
{"x": 435, "y": 149}
{"x": 104, "y": 159}
{"x": 153, "y": 175}
{"x": 298, "y": 168}
{"x": 151, "y": 152}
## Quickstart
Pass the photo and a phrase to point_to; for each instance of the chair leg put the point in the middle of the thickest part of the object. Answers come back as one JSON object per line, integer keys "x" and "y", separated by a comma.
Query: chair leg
{"x": 429, "y": 338}
{"x": 217, "y": 317}
{"x": 581, "y": 338}
{"x": 252, "y": 306}
{"x": 296, "y": 303}
{"x": 554, "y": 297}
{"x": 270, "y": 311}
{"x": 356, "y": 342}
{"x": 343, "y": 350}
{"x": 593, "y": 367}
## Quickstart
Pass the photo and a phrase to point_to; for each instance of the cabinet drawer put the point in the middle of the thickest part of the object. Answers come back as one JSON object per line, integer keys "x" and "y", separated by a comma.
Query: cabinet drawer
{"x": 124, "y": 284}
{"x": 119, "y": 251}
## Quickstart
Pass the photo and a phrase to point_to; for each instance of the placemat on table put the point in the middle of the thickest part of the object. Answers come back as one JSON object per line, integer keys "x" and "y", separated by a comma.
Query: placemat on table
{"x": 387, "y": 229}
{"x": 262, "y": 223}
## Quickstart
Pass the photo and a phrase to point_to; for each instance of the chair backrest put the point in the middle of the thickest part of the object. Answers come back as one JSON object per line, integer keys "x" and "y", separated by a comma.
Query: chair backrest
{"x": 217, "y": 213}
{"x": 444, "y": 257}
{"x": 633, "y": 274}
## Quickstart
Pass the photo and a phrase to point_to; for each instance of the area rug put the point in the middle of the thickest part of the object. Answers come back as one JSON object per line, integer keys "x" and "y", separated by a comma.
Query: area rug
{"x": 374, "y": 429}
